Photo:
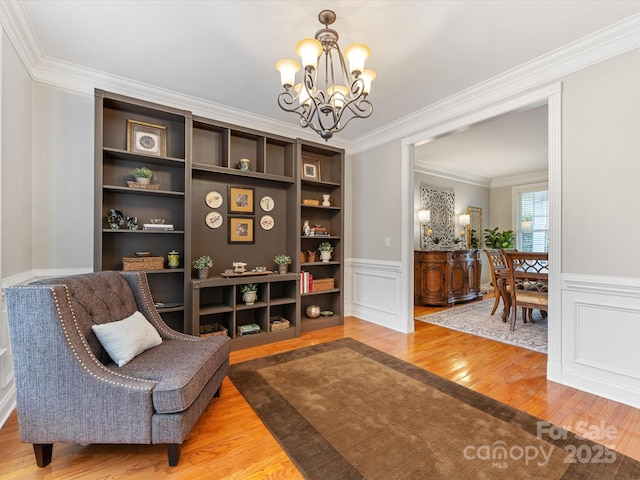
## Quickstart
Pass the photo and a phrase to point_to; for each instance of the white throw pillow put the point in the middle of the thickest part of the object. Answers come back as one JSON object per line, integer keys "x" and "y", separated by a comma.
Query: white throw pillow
{"x": 127, "y": 338}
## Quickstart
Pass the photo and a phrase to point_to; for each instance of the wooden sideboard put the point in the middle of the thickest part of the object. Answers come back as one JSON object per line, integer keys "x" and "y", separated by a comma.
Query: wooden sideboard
{"x": 445, "y": 277}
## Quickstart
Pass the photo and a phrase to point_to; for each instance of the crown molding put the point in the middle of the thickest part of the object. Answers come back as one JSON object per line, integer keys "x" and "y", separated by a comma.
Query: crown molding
{"x": 428, "y": 168}
{"x": 524, "y": 179}
{"x": 601, "y": 45}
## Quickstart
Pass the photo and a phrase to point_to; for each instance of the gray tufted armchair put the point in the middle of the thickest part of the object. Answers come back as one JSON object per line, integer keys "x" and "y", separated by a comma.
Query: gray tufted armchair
{"x": 69, "y": 389}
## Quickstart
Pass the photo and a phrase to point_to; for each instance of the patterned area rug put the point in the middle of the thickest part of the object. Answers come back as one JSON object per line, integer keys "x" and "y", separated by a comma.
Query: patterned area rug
{"x": 476, "y": 319}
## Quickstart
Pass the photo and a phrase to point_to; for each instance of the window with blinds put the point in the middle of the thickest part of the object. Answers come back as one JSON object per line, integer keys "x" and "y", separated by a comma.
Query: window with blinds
{"x": 532, "y": 221}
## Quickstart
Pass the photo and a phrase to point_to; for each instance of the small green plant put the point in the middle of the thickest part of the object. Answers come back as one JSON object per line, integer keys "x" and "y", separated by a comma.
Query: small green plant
{"x": 495, "y": 239}
{"x": 325, "y": 247}
{"x": 282, "y": 260}
{"x": 457, "y": 240}
{"x": 202, "y": 262}
{"x": 435, "y": 240}
{"x": 143, "y": 172}
{"x": 249, "y": 287}
{"x": 474, "y": 239}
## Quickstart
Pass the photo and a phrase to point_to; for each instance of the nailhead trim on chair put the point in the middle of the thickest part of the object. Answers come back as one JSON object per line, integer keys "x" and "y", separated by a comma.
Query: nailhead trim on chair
{"x": 86, "y": 346}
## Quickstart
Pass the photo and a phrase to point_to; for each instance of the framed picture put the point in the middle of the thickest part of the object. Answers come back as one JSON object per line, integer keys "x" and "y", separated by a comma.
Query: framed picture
{"x": 240, "y": 230}
{"x": 240, "y": 200}
{"x": 146, "y": 138}
{"x": 310, "y": 169}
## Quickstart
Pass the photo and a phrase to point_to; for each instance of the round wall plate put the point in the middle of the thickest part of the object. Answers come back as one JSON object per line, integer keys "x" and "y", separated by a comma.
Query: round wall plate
{"x": 213, "y": 219}
{"x": 267, "y": 203}
{"x": 213, "y": 199}
{"x": 266, "y": 222}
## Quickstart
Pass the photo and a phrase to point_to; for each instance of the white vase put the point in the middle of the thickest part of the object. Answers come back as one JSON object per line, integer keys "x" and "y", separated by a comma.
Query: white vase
{"x": 325, "y": 256}
{"x": 249, "y": 297}
{"x": 325, "y": 201}
{"x": 143, "y": 180}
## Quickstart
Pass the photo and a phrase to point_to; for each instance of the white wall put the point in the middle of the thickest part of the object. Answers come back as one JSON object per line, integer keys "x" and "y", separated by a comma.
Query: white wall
{"x": 16, "y": 196}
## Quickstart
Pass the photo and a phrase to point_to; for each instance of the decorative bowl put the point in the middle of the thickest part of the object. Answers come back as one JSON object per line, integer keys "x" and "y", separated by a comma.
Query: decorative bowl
{"x": 313, "y": 311}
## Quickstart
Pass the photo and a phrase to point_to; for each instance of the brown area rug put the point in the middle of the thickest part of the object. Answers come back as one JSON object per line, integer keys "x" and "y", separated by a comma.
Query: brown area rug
{"x": 344, "y": 410}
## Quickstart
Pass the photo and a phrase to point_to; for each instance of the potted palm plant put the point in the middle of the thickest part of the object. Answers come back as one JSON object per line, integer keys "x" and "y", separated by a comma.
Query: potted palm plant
{"x": 202, "y": 265}
{"x": 325, "y": 251}
{"x": 249, "y": 293}
{"x": 283, "y": 262}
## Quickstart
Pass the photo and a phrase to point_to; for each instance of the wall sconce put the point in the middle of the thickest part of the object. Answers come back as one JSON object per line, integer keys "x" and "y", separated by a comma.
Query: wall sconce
{"x": 424, "y": 216}
{"x": 464, "y": 220}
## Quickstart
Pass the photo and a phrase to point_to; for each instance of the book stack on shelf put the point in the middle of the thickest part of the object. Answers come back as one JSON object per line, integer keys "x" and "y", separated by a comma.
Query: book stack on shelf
{"x": 157, "y": 226}
{"x": 306, "y": 282}
{"x": 319, "y": 231}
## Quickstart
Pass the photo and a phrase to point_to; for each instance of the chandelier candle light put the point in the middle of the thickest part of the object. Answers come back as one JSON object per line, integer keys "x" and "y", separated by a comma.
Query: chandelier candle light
{"x": 327, "y": 102}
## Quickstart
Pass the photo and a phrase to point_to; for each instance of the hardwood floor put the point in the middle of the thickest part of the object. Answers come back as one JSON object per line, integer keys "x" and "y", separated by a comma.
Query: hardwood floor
{"x": 230, "y": 442}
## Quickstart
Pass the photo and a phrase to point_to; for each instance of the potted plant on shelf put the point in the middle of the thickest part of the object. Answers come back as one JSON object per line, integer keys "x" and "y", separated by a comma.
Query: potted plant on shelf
{"x": 283, "y": 262}
{"x": 202, "y": 265}
{"x": 325, "y": 251}
{"x": 143, "y": 175}
{"x": 436, "y": 242}
{"x": 249, "y": 293}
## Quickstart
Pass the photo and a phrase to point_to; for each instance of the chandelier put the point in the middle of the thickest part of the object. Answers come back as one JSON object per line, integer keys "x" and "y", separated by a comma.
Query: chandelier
{"x": 329, "y": 96}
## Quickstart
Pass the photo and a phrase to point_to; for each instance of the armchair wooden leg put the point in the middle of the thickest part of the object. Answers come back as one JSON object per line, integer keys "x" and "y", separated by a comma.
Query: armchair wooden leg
{"x": 43, "y": 452}
{"x": 173, "y": 450}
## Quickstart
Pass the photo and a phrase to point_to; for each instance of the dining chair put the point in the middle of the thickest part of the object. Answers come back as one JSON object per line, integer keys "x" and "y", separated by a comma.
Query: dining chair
{"x": 497, "y": 261}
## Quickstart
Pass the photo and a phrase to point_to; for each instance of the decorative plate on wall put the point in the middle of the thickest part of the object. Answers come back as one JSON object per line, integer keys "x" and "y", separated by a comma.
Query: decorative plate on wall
{"x": 213, "y": 199}
{"x": 213, "y": 219}
{"x": 266, "y": 222}
{"x": 267, "y": 203}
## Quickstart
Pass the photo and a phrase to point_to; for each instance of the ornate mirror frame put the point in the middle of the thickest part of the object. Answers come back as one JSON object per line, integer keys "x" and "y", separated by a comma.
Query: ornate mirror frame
{"x": 475, "y": 214}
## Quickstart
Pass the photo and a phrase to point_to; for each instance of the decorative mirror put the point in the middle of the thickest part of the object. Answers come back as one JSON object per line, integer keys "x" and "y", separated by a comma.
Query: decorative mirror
{"x": 474, "y": 229}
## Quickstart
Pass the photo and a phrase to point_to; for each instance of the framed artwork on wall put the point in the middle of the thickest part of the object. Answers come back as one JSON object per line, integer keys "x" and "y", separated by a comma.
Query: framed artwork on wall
{"x": 241, "y": 230}
{"x": 241, "y": 200}
{"x": 310, "y": 169}
{"x": 146, "y": 138}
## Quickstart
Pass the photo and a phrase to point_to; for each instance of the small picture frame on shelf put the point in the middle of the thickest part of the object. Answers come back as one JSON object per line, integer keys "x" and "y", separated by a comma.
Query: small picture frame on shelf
{"x": 146, "y": 138}
{"x": 241, "y": 230}
{"x": 310, "y": 169}
{"x": 240, "y": 200}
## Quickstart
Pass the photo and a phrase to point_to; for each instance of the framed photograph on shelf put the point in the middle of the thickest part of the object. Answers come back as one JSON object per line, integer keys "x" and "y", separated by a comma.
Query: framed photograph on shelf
{"x": 310, "y": 169}
{"x": 146, "y": 138}
{"x": 240, "y": 200}
{"x": 240, "y": 230}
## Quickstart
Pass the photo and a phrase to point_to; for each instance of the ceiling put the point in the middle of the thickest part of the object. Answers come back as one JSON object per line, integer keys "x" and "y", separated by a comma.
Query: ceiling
{"x": 224, "y": 51}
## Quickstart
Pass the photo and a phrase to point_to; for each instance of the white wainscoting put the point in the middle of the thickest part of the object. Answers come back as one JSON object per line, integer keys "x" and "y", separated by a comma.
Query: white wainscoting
{"x": 373, "y": 293}
{"x": 600, "y": 336}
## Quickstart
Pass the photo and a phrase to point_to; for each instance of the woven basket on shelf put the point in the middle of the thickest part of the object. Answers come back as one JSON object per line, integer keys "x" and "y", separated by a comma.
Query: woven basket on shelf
{"x": 142, "y": 263}
{"x": 282, "y": 325}
{"x": 308, "y": 201}
{"x": 212, "y": 329}
{"x": 145, "y": 186}
{"x": 322, "y": 284}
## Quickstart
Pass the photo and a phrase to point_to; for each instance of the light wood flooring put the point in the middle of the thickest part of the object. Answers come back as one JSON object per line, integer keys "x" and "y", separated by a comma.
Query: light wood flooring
{"x": 230, "y": 442}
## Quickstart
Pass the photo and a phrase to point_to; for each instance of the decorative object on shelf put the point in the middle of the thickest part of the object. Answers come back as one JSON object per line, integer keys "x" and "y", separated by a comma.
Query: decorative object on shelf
{"x": 323, "y": 284}
{"x": 143, "y": 254}
{"x": 115, "y": 219}
{"x": 157, "y": 226}
{"x": 310, "y": 169}
{"x": 240, "y": 200}
{"x": 311, "y": 201}
{"x": 311, "y": 256}
{"x": 143, "y": 175}
{"x": 326, "y": 112}
{"x": 278, "y": 323}
{"x": 240, "y": 230}
{"x": 306, "y": 228}
{"x": 142, "y": 263}
{"x": 319, "y": 231}
{"x": 325, "y": 251}
{"x": 267, "y": 222}
{"x": 283, "y": 262}
{"x": 267, "y": 204}
{"x": 326, "y": 313}
{"x": 239, "y": 267}
{"x": 259, "y": 269}
{"x": 313, "y": 311}
{"x": 436, "y": 242}
{"x": 157, "y": 221}
{"x": 325, "y": 200}
{"x": 146, "y": 138}
{"x": 173, "y": 259}
{"x": 248, "y": 329}
{"x": 495, "y": 239}
{"x": 303, "y": 257}
{"x": 132, "y": 223}
{"x": 457, "y": 243}
{"x": 212, "y": 329}
{"x": 244, "y": 165}
{"x": 213, "y": 199}
{"x": 213, "y": 219}
{"x": 249, "y": 293}
{"x": 202, "y": 265}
